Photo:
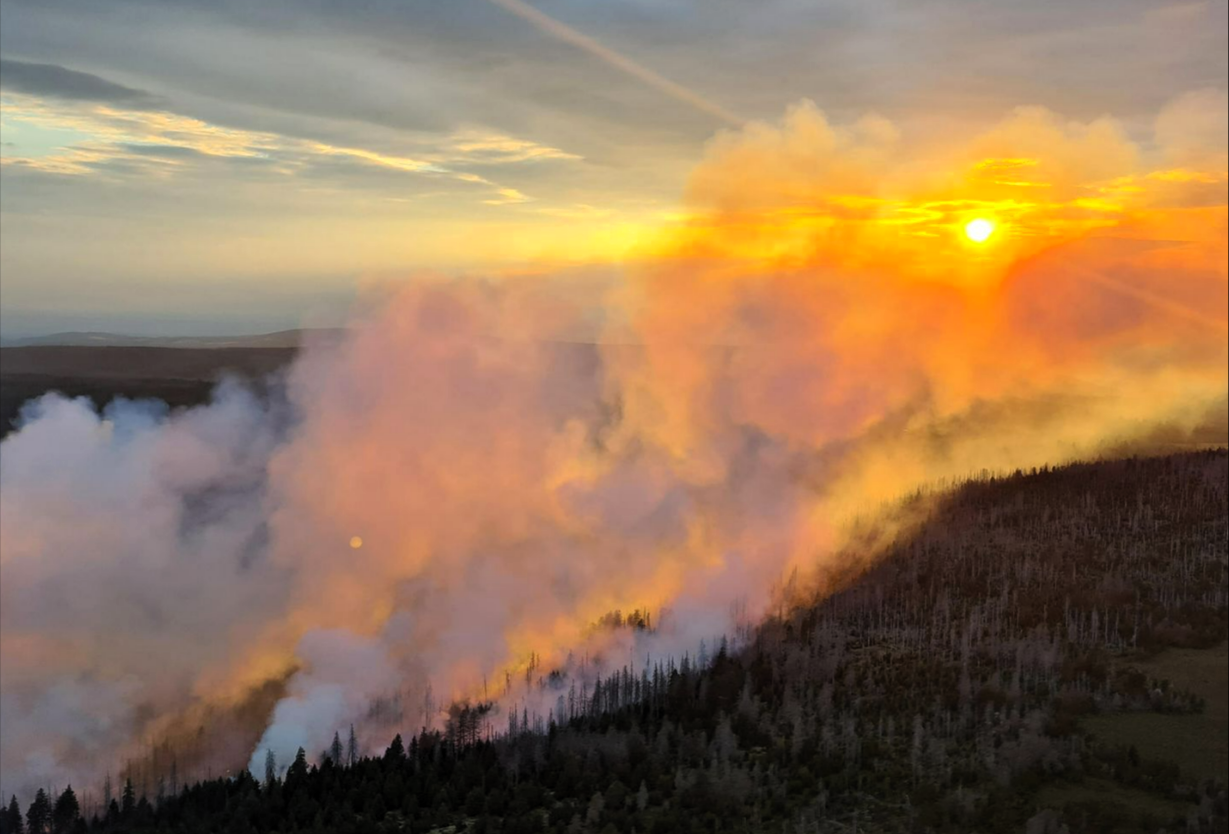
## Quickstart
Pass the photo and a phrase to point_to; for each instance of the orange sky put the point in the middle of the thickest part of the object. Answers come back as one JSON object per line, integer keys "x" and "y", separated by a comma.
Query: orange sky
{"x": 213, "y": 180}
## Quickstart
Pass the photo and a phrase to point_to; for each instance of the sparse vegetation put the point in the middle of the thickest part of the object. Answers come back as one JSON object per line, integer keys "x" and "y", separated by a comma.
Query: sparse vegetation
{"x": 1197, "y": 742}
{"x": 971, "y": 679}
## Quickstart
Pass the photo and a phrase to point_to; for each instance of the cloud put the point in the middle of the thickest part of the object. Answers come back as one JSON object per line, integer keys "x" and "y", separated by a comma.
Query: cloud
{"x": 560, "y": 30}
{"x": 1192, "y": 130}
{"x": 169, "y": 151}
{"x": 481, "y": 148}
{"x": 113, "y": 141}
{"x": 412, "y": 79}
{"x": 53, "y": 81}
{"x": 507, "y": 196}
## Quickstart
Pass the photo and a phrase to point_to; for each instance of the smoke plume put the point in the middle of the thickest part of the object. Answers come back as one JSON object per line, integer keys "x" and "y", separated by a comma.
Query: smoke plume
{"x": 443, "y": 505}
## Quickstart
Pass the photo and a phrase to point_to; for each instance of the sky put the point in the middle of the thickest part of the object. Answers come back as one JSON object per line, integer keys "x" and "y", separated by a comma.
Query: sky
{"x": 227, "y": 167}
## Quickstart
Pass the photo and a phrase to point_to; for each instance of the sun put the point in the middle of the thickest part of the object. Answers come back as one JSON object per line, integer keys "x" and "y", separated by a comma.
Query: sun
{"x": 979, "y": 230}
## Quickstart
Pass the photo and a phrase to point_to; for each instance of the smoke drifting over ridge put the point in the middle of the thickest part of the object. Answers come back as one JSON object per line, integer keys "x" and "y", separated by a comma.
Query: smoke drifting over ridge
{"x": 815, "y": 338}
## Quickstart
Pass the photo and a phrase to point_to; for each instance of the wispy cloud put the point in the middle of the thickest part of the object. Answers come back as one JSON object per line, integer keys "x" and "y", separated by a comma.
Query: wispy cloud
{"x": 106, "y": 139}
{"x": 477, "y": 148}
{"x": 560, "y": 30}
{"x": 55, "y": 81}
{"x": 507, "y": 196}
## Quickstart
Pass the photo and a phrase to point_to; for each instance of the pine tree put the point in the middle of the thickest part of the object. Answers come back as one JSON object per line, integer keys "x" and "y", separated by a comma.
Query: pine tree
{"x": 11, "y": 817}
{"x": 395, "y": 751}
{"x": 144, "y": 812}
{"x": 270, "y": 768}
{"x": 352, "y": 749}
{"x": 335, "y": 751}
{"x": 297, "y": 771}
{"x": 67, "y": 812}
{"x": 38, "y": 817}
{"x": 128, "y": 803}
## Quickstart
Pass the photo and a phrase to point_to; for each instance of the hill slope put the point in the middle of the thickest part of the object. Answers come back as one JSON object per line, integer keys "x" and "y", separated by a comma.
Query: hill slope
{"x": 947, "y": 686}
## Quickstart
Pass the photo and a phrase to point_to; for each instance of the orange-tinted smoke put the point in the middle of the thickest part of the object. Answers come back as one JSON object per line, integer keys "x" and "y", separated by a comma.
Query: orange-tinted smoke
{"x": 814, "y": 338}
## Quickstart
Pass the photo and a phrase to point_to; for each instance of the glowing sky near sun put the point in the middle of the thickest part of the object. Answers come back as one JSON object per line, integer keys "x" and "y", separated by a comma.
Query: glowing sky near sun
{"x": 211, "y": 177}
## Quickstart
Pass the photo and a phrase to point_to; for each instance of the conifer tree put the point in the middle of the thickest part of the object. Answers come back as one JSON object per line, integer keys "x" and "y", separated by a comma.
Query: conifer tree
{"x": 38, "y": 816}
{"x": 67, "y": 812}
{"x": 395, "y": 751}
{"x": 128, "y": 803}
{"x": 270, "y": 768}
{"x": 297, "y": 771}
{"x": 11, "y": 818}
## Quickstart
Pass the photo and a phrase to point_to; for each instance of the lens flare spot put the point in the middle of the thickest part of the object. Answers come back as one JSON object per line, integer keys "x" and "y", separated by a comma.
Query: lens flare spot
{"x": 356, "y": 542}
{"x": 979, "y": 230}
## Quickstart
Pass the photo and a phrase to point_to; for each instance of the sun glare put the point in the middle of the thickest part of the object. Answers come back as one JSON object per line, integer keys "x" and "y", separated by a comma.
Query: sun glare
{"x": 979, "y": 230}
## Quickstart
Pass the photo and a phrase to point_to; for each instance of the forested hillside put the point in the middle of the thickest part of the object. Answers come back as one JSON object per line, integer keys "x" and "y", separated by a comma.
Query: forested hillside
{"x": 943, "y": 686}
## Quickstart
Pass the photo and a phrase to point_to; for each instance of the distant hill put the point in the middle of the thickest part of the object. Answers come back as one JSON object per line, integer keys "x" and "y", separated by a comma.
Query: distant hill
{"x": 180, "y": 376}
{"x": 139, "y": 362}
{"x": 278, "y": 339}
